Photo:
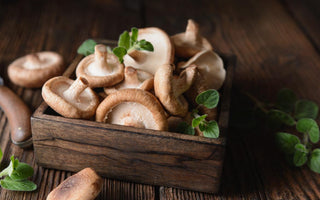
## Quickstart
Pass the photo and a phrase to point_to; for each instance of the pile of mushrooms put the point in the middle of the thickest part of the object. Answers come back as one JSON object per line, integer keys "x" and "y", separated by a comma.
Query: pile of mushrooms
{"x": 149, "y": 90}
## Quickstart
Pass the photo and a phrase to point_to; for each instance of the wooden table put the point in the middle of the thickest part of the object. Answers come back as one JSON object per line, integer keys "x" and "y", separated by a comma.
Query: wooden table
{"x": 277, "y": 44}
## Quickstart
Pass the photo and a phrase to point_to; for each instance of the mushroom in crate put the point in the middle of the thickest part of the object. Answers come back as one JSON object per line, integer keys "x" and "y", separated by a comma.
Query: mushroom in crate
{"x": 132, "y": 107}
{"x": 188, "y": 43}
{"x": 33, "y": 70}
{"x": 133, "y": 78}
{"x": 72, "y": 99}
{"x": 101, "y": 69}
{"x": 170, "y": 88}
{"x": 210, "y": 75}
{"x": 163, "y": 51}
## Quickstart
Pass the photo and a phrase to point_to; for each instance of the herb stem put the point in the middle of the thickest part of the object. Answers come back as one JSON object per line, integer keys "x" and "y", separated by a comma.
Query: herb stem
{"x": 305, "y": 139}
{"x": 258, "y": 103}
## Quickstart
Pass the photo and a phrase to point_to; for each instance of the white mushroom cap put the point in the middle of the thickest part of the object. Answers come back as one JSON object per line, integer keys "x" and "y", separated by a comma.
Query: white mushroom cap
{"x": 150, "y": 61}
{"x": 84, "y": 185}
{"x": 169, "y": 88}
{"x": 73, "y": 99}
{"x": 101, "y": 69}
{"x": 210, "y": 66}
{"x": 133, "y": 78}
{"x": 33, "y": 70}
{"x": 132, "y": 107}
{"x": 190, "y": 42}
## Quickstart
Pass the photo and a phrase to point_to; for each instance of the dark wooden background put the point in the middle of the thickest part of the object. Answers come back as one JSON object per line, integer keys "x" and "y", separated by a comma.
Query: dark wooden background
{"x": 277, "y": 44}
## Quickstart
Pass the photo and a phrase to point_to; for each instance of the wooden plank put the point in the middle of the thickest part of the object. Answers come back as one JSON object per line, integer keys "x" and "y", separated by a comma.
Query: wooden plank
{"x": 273, "y": 52}
{"x": 307, "y": 15}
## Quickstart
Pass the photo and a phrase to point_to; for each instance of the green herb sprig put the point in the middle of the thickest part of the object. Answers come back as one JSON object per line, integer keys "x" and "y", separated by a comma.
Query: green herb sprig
{"x": 126, "y": 44}
{"x": 210, "y": 129}
{"x": 16, "y": 176}
{"x": 299, "y": 148}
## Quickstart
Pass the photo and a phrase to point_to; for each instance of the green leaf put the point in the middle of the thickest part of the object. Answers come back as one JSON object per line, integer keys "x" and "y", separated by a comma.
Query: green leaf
{"x": 287, "y": 142}
{"x": 209, "y": 98}
{"x": 310, "y": 127}
{"x": 314, "y": 161}
{"x": 124, "y": 40}
{"x": 144, "y": 45}
{"x": 22, "y": 171}
{"x": 134, "y": 36}
{"x": 120, "y": 52}
{"x": 10, "y": 184}
{"x": 306, "y": 109}
{"x": 286, "y": 100}
{"x": 281, "y": 116}
{"x": 210, "y": 129}
{"x": 185, "y": 128}
{"x": 301, "y": 148}
{"x": 198, "y": 120}
{"x": 87, "y": 47}
{"x": 299, "y": 158}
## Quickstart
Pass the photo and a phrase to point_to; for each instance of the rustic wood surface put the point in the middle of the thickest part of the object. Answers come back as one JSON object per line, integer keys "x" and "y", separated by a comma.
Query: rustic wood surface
{"x": 277, "y": 46}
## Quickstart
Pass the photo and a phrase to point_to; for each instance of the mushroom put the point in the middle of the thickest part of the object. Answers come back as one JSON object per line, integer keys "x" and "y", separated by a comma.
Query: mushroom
{"x": 72, "y": 99}
{"x": 133, "y": 78}
{"x": 101, "y": 69}
{"x": 132, "y": 107}
{"x": 190, "y": 42}
{"x": 169, "y": 88}
{"x": 163, "y": 52}
{"x": 84, "y": 185}
{"x": 33, "y": 70}
{"x": 210, "y": 66}
{"x": 210, "y": 75}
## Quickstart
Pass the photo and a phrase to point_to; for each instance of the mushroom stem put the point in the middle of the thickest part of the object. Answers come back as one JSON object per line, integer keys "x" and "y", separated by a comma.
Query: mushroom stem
{"x": 101, "y": 54}
{"x": 138, "y": 56}
{"x": 131, "y": 75}
{"x": 32, "y": 61}
{"x": 185, "y": 80}
{"x": 77, "y": 87}
{"x": 192, "y": 31}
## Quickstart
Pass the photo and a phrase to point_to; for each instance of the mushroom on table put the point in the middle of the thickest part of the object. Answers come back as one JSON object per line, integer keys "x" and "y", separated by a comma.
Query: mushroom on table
{"x": 190, "y": 42}
{"x": 101, "y": 69}
{"x": 170, "y": 88}
{"x": 133, "y": 78}
{"x": 163, "y": 52}
{"x": 132, "y": 107}
{"x": 33, "y": 70}
{"x": 84, "y": 185}
{"x": 73, "y": 99}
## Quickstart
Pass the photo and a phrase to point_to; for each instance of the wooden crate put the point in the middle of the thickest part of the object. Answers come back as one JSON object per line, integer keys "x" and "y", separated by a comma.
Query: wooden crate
{"x": 133, "y": 154}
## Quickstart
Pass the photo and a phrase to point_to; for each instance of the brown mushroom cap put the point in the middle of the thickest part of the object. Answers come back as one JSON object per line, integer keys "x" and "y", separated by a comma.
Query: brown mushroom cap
{"x": 33, "y": 70}
{"x": 84, "y": 185}
{"x": 132, "y": 107}
{"x": 133, "y": 78}
{"x": 210, "y": 66}
{"x": 190, "y": 42}
{"x": 150, "y": 61}
{"x": 101, "y": 69}
{"x": 73, "y": 99}
{"x": 169, "y": 88}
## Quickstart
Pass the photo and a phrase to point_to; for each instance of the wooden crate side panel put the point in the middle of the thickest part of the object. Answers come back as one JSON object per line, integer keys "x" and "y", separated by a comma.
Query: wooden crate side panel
{"x": 126, "y": 156}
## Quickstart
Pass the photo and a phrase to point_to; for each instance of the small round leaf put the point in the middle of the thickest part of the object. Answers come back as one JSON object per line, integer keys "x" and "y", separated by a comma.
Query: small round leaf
{"x": 209, "y": 98}
{"x": 314, "y": 161}
{"x": 306, "y": 109}
{"x": 287, "y": 142}
{"x": 281, "y": 116}
{"x": 210, "y": 129}
{"x": 310, "y": 127}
